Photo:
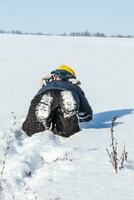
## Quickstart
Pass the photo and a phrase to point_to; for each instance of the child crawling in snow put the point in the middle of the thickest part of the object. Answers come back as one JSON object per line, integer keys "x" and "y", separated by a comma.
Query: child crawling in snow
{"x": 59, "y": 105}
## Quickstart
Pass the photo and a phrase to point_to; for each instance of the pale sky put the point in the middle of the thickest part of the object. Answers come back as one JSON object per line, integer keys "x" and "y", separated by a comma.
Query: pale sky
{"x": 57, "y": 16}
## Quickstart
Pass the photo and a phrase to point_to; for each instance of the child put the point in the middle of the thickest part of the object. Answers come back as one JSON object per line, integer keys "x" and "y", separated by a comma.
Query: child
{"x": 59, "y": 105}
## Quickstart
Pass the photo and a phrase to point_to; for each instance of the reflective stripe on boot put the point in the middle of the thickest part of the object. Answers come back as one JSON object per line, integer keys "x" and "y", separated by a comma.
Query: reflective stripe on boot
{"x": 68, "y": 104}
{"x": 43, "y": 109}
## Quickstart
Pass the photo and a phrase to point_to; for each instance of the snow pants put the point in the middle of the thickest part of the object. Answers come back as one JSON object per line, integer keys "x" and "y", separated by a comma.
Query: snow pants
{"x": 54, "y": 110}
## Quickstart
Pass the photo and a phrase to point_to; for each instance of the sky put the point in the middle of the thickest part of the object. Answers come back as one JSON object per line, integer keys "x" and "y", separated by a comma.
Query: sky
{"x": 57, "y": 16}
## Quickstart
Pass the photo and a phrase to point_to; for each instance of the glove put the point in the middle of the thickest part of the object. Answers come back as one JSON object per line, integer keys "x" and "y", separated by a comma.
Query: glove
{"x": 46, "y": 79}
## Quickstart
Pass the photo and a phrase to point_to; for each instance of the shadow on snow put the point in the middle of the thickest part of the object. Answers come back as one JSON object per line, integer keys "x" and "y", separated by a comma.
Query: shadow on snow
{"x": 103, "y": 119}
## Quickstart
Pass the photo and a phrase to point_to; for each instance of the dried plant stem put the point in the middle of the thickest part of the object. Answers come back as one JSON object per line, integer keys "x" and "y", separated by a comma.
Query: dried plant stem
{"x": 4, "y": 164}
{"x": 124, "y": 157}
{"x": 27, "y": 190}
{"x": 113, "y": 155}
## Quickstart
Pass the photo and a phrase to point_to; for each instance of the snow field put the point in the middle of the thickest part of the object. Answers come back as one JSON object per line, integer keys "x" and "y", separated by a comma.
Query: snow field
{"x": 46, "y": 166}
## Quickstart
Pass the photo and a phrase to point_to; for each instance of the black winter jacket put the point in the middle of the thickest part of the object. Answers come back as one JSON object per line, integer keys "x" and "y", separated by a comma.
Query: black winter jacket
{"x": 83, "y": 107}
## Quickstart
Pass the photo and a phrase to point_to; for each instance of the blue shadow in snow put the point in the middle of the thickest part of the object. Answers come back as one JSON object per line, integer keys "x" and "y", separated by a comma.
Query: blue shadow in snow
{"x": 103, "y": 119}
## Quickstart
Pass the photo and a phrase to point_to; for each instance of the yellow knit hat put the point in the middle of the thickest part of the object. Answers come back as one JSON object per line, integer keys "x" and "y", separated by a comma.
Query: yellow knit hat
{"x": 66, "y": 68}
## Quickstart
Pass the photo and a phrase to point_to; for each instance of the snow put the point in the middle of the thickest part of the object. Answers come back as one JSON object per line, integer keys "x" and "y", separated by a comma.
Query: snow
{"x": 49, "y": 167}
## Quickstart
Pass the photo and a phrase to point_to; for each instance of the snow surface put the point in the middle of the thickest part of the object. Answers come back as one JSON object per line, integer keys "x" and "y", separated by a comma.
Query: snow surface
{"x": 49, "y": 167}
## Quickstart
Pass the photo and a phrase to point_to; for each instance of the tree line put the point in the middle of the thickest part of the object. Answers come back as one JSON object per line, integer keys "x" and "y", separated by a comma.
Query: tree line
{"x": 78, "y": 34}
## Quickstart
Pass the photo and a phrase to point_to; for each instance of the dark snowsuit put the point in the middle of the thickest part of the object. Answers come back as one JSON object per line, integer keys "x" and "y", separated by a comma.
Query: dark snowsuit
{"x": 64, "y": 126}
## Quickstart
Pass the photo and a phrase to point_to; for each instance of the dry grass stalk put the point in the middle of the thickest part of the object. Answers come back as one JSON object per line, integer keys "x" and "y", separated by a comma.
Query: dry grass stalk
{"x": 113, "y": 155}
{"x": 27, "y": 191}
{"x": 56, "y": 198}
{"x": 124, "y": 157}
{"x": 4, "y": 164}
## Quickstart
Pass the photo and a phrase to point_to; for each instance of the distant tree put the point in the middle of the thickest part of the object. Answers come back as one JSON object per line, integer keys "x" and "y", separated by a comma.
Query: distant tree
{"x": 99, "y": 35}
{"x": 86, "y": 34}
{"x": 8, "y": 32}
{"x": 72, "y": 34}
{"x": 64, "y": 34}
{"x": 129, "y": 36}
{"x": 39, "y": 33}
{"x": 26, "y": 33}
{"x": 12, "y": 32}
{"x": 2, "y": 31}
{"x": 112, "y": 36}
{"x": 78, "y": 34}
{"x": 18, "y": 32}
{"x": 32, "y": 33}
{"x": 120, "y": 36}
